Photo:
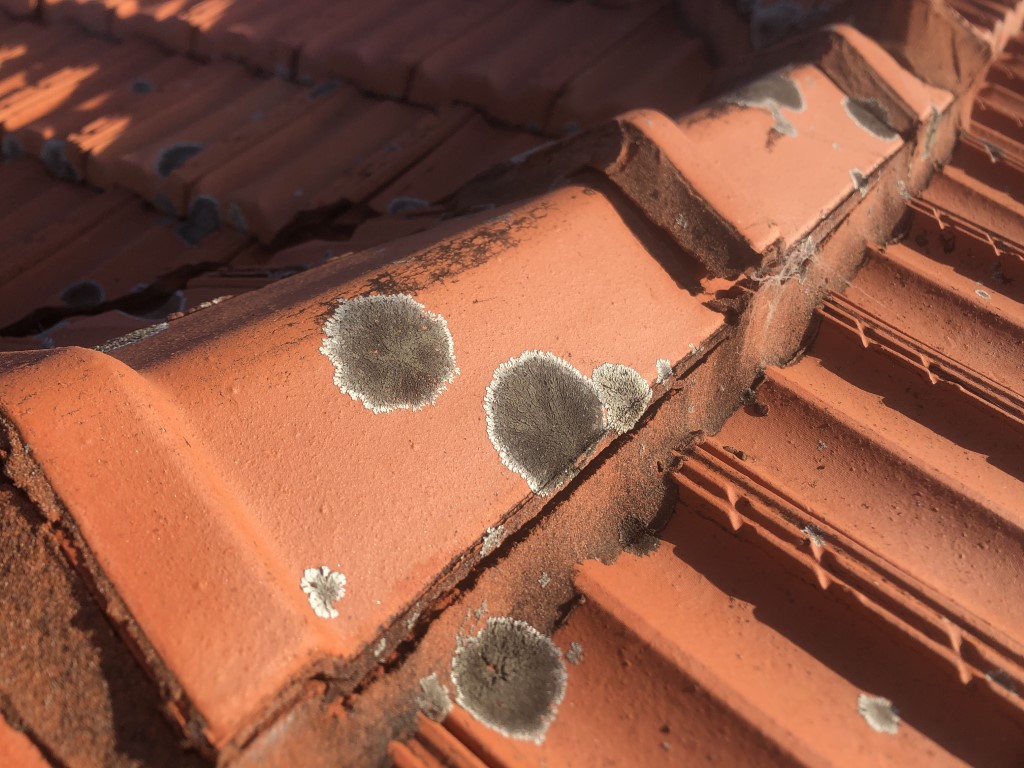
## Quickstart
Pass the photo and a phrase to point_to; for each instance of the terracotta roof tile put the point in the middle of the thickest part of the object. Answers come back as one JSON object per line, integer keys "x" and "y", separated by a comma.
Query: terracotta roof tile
{"x": 285, "y": 635}
{"x": 298, "y": 556}
{"x": 517, "y": 78}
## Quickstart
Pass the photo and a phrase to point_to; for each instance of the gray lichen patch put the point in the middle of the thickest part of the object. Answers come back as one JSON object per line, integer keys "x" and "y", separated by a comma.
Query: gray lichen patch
{"x": 83, "y": 295}
{"x": 776, "y": 89}
{"x": 203, "y": 220}
{"x": 624, "y": 394}
{"x": 389, "y": 352}
{"x": 324, "y": 588}
{"x": 870, "y": 115}
{"x": 399, "y": 205}
{"x": 433, "y": 699}
{"x": 510, "y": 677}
{"x": 772, "y": 94}
{"x": 879, "y": 713}
{"x": 575, "y": 653}
{"x": 542, "y": 416}
{"x": 859, "y": 181}
{"x": 54, "y": 156}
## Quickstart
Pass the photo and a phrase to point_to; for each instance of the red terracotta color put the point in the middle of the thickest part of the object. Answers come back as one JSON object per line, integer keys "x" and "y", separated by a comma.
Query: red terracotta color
{"x": 349, "y": 147}
{"x": 998, "y": 117}
{"x": 138, "y": 169}
{"x": 17, "y": 750}
{"x": 473, "y": 148}
{"x": 630, "y": 77}
{"x": 91, "y": 147}
{"x": 92, "y": 99}
{"x": 95, "y": 15}
{"x": 903, "y": 288}
{"x": 158, "y": 20}
{"x": 516, "y": 77}
{"x": 383, "y": 55}
{"x": 243, "y": 547}
{"x": 812, "y": 168}
{"x": 930, "y": 504}
{"x": 185, "y": 101}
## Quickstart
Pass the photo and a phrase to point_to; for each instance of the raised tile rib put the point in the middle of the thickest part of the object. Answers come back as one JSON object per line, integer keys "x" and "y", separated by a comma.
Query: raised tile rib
{"x": 444, "y": 745}
{"x": 928, "y": 506}
{"x": 821, "y": 605}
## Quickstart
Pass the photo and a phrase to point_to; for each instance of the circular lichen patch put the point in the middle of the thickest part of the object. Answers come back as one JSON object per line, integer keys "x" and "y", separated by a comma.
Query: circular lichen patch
{"x": 542, "y": 416}
{"x": 624, "y": 393}
{"x": 389, "y": 352}
{"x": 510, "y": 677}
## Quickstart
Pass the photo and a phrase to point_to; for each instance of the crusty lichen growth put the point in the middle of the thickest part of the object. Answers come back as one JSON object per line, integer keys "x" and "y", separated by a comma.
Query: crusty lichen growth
{"x": 433, "y": 699}
{"x": 510, "y": 677}
{"x": 324, "y": 588}
{"x": 389, "y": 352}
{"x": 542, "y": 416}
{"x": 624, "y": 394}
{"x": 879, "y": 713}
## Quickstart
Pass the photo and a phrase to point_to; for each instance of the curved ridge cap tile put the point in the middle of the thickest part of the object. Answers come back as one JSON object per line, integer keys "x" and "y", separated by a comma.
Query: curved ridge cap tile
{"x": 171, "y": 538}
{"x": 804, "y": 155}
{"x": 283, "y": 473}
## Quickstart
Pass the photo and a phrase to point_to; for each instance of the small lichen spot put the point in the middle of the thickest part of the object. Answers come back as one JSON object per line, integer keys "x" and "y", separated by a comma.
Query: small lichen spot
{"x": 664, "y": 370}
{"x": 879, "y": 713}
{"x": 389, "y": 352}
{"x": 543, "y": 416}
{"x": 814, "y": 534}
{"x": 510, "y": 677}
{"x": 324, "y": 588}
{"x": 624, "y": 394}
{"x": 544, "y": 580}
{"x": 433, "y": 699}
{"x": 575, "y": 653}
{"x": 983, "y": 294}
{"x": 870, "y": 115}
{"x": 132, "y": 338}
{"x": 492, "y": 540}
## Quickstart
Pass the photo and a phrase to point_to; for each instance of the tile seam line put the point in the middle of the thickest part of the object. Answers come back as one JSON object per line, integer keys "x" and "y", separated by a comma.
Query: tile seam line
{"x": 949, "y": 370}
{"x": 176, "y": 707}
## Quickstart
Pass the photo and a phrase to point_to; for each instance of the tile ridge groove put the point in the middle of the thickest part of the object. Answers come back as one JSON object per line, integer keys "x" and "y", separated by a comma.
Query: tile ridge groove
{"x": 865, "y": 582}
{"x": 781, "y": 379}
{"x": 947, "y": 218}
{"x": 852, "y": 318}
{"x": 841, "y": 558}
